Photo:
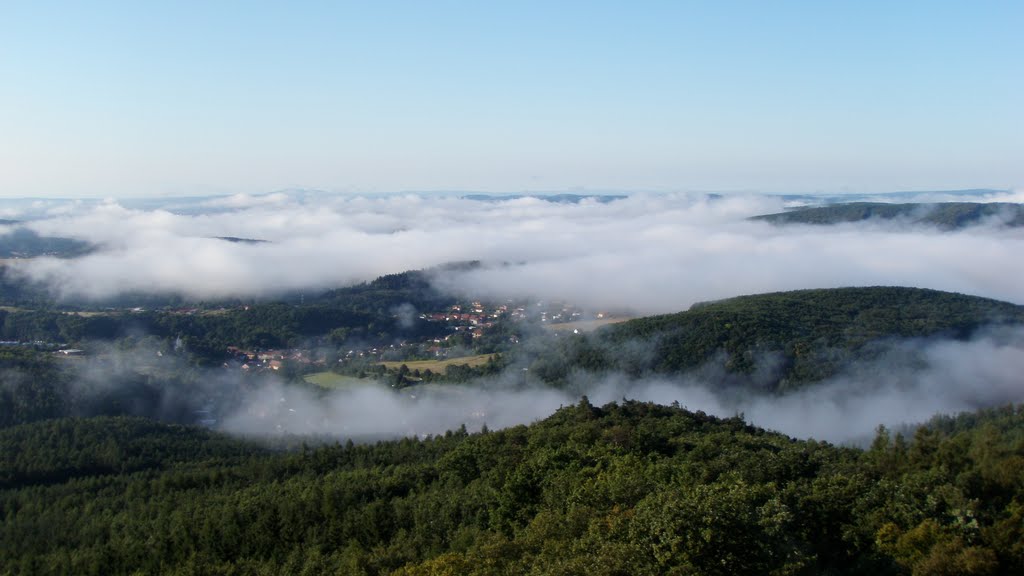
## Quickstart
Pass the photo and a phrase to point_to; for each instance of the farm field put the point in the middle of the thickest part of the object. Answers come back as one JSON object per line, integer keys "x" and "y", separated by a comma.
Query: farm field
{"x": 334, "y": 381}
{"x": 440, "y": 365}
{"x": 585, "y": 325}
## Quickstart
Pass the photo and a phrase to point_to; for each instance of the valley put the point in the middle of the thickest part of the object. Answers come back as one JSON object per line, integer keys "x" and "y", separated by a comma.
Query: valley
{"x": 419, "y": 423}
{"x": 511, "y": 288}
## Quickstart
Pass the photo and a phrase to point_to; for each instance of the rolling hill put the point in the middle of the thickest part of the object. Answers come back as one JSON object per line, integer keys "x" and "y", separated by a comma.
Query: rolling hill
{"x": 944, "y": 215}
{"x": 630, "y": 488}
{"x": 781, "y": 340}
{"x": 24, "y": 243}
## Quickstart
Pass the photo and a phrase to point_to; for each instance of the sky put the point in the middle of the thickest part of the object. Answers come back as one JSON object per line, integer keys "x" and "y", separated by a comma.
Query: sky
{"x": 137, "y": 99}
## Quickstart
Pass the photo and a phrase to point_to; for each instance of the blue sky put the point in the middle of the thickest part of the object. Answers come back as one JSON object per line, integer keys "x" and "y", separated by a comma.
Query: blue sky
{"x": 185, "y": 98}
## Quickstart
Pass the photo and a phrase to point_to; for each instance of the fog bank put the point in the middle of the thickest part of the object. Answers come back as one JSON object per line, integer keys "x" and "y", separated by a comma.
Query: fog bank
{"x": 909, "y": 385}
{"x": 652, "y": 253}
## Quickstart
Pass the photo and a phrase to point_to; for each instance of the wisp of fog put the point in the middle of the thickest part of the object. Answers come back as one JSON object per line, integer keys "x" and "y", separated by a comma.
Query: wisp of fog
{"x": 952, "y": 377}
{"x": 913, "y": 381}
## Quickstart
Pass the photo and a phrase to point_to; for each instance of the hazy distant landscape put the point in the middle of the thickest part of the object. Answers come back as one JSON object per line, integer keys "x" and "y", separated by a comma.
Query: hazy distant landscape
{"x": 348, "y": 285}
{"x": 433, "y": 289}
{"x": 265, "y": 323}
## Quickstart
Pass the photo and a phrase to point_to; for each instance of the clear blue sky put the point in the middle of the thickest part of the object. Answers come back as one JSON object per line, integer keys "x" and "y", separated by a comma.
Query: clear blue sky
{"x": 158, "y": 98}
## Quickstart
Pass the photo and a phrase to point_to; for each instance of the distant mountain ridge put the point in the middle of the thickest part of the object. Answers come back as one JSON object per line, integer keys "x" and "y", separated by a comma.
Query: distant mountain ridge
{"x": 944, "y": 215}
{"x": 564, "y": 198}
{"x": 236, "y": 240}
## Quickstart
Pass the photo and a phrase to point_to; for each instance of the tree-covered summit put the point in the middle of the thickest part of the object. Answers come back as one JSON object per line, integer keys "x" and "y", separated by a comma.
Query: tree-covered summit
{"x": 627, "y": 488}
{"x": 786, "y": 338}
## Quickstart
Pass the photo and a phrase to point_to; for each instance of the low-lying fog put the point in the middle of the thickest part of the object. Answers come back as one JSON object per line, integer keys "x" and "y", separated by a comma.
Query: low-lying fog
{"x": 915, "y": 380}
{"x": 653, "y": 253}
{"x": 646, "y": 253}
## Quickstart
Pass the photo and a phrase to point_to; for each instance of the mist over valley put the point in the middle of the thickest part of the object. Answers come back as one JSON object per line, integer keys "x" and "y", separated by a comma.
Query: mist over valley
{"x": 457, "y": 383}
{"x": 196, "y": 305}
{"x": 488, "y": 289}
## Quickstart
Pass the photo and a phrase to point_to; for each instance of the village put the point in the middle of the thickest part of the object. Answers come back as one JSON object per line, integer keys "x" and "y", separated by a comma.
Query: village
{"x": 470, "y": 330}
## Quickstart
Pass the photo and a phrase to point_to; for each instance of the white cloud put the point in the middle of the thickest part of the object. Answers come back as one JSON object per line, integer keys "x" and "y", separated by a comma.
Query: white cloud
{"x": 651, "y": 253}
{"x": 654, "y": 253}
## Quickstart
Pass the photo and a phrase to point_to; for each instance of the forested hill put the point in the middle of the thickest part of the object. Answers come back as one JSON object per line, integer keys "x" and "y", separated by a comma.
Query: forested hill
{"x": 782, "y": 340}
{"x": 24, "y": 243}
{"x": 944, "y": 215}
{"x": 383, "y": 294}
{"x": 369, "y": 312}
{"x": 633, "y": 488}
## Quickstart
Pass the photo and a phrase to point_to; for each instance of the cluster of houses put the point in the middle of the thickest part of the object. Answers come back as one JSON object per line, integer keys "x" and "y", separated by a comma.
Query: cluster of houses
{"x": 270, "y": 359}
{"x": 474, "y": 319}
{"x": 550, "y": 313}
{"x": 56, "y": 347}
{"x": 20, "y": 343}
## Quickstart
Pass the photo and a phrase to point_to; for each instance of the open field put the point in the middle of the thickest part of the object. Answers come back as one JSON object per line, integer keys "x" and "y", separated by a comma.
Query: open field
{"x": 215, "y": 312}
{"x": 333, "y": 381}
{"x": 439, "y": 365}
{"x": 585, "y": 325}
{"x": 83, "y": 313}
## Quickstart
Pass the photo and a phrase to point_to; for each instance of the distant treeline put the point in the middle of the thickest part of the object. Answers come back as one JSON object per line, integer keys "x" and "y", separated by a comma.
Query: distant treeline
{"x": 24, "y": 243}
{"x": 366, "y": 313}
{"x": 782, "y": 340}
{"x": 38, "y": 386}
{"x": 944, "y": 215}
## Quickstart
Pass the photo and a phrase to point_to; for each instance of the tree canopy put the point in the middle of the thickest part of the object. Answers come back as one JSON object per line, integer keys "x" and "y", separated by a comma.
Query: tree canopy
{"x": 628, "y": 488}
{"x": 783, "y": 340}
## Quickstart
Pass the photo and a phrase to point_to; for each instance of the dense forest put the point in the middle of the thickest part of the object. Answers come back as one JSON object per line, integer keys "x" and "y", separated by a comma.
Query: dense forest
{"x": 769, "y": 342}
{"x": 364, "y": 313}
{"x": 21, "y": 242}
{"x": 776, "y": 341}
{"x": 87, "y": 486}
{"x": 944, "y": 215}
{"x": 628, "y": 488}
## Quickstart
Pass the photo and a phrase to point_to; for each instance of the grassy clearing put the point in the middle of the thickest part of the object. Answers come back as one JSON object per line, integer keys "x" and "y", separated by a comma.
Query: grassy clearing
{"x": 439, "y": 365}
{"x": 333, "y": 381}
{"x": 585, "y": 325}
{"x": 215, "y": 312}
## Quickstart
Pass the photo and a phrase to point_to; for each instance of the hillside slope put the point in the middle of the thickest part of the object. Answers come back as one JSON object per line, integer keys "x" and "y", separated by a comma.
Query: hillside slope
{"x": 784, "y": 339}
{"x": 634, "y": 488}
{"x": 944, "y": 215}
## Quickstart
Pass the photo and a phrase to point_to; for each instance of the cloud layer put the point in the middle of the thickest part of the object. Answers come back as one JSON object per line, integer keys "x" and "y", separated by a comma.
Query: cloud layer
{"x": 645, "y": 253}
{"x": 649, "y": 253}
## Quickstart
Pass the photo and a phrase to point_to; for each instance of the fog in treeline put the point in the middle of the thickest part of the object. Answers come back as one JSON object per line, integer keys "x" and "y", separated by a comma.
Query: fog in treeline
{"x": 261, "y": 324}
{"x": 642, "y": 253}
{"x": 911, "y": 381}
